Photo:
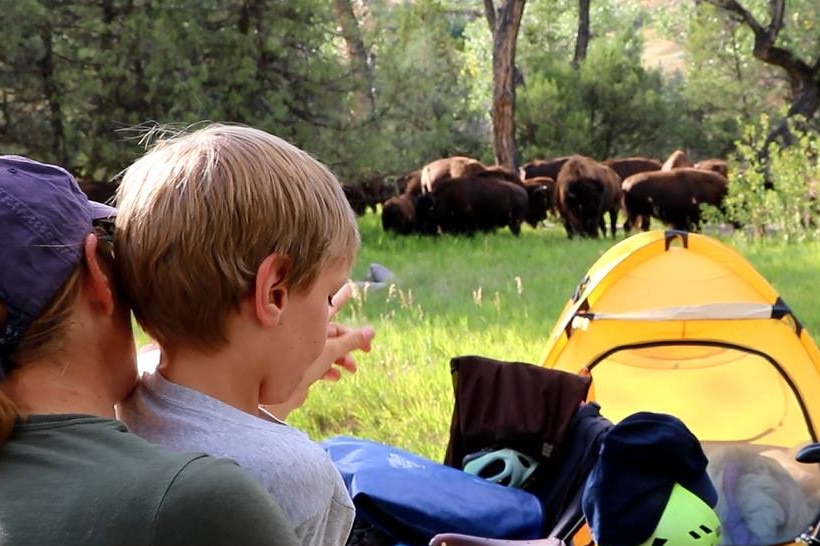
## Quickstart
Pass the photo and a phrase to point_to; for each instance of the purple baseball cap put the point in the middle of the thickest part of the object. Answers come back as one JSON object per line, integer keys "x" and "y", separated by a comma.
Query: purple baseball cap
{"x": 44, "y": 218}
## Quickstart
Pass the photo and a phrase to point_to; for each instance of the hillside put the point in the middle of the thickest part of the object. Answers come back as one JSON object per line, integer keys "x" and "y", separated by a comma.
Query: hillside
{"x": 659, "y": 51}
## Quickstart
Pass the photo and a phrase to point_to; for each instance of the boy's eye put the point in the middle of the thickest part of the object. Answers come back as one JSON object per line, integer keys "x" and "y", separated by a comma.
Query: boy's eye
{"x": 330, "y": 301}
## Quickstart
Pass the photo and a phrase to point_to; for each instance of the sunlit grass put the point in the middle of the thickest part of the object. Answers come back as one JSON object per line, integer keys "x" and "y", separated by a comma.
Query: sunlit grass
{"x": 493, "y": 295}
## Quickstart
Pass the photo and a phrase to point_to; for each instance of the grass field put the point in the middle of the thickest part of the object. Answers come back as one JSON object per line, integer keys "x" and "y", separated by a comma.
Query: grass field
{"x": 494, "y": 295}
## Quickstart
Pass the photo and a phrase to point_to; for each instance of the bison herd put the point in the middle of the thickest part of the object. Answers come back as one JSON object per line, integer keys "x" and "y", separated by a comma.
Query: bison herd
{"x": 461, "y": 195}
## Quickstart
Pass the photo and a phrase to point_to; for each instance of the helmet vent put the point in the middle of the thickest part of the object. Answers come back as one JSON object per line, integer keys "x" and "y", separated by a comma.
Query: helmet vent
{"x": 659, "y": 541}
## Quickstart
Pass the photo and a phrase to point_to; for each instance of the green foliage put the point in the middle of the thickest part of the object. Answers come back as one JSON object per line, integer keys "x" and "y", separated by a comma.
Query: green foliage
{"x": 612, "y": 106}
{"x": 80, "y": 81}
{"x": 725, "y": 85}
{"x": 93, "y": 70}
{"x": 789, "y": 211}
{"x": 423, "y": 112}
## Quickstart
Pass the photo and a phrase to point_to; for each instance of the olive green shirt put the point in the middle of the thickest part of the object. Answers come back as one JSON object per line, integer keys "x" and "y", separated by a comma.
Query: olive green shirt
{"x": 82, "y": 480}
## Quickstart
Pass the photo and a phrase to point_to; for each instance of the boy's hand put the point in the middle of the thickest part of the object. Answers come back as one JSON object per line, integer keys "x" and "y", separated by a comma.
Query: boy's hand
{"x": 343, "y": 340}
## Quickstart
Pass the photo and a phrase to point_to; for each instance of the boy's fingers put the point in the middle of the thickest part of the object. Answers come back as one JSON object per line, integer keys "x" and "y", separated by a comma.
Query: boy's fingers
{"x": 332, "y": 375}
{"x": 340, "y": 347}
{"x": 360, "y": 338}
{"x": 347, "y": 362}
{"x": 334, "y": 329}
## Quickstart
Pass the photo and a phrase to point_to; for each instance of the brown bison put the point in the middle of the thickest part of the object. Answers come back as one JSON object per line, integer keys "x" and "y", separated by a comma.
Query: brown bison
{"x": 469, "y": 204}
{"x": 541, "y": 191}
{"x": 409, "y": 183}
{"x": 676, "y": 160}
{"x": 585, "y": 191}
{"x": 448, "y": 167}
{"x": 376, "y": 190}
{"x": 627, "y": 166}
{"x": 716, "y": 165}
{"x": 356, "y": 198}
{"x": 542, "y": 167}
{"x": 500, "y": 172}
{"x": 674, "y": 197}
{"x": 399, "y": 214}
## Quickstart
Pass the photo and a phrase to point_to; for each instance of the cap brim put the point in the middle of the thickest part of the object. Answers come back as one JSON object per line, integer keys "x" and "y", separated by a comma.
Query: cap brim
{"x": 99, "y": 211}
{"x": 703, "y": 487}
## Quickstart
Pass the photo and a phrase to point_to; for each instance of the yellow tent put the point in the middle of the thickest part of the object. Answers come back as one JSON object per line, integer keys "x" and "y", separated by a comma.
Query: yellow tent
{"x": 680, "y": 323}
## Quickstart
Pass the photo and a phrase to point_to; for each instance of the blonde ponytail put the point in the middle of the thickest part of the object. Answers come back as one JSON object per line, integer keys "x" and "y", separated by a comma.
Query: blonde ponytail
{"x": 46, "y": 334}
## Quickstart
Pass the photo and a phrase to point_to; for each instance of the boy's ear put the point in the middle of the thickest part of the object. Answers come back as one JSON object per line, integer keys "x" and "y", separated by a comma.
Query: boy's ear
{"x": 98, "y": 283}
{"x": 270, "y": 292}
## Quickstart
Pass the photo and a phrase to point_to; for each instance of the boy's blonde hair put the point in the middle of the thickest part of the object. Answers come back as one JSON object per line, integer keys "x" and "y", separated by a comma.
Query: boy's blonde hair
{"x": 201, "y": 211}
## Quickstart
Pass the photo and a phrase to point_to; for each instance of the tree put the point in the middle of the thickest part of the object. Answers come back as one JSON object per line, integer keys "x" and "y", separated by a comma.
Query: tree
{"x": 718, "y": 57}
{"x": 504, "y": 24}
{"x": 803, "y": 75}
{"x": 422, "y": 109}
{"x": 363, "y": 106}
{"x": 610, "y": 106}
{"x": 582, "y": 39}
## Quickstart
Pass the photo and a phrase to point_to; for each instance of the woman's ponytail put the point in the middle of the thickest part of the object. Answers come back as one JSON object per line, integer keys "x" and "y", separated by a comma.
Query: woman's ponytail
{"x": 8, "y": 416}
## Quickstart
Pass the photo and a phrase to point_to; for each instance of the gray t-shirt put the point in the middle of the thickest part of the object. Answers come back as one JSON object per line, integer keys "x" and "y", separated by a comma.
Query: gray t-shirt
{"x": 294, "y": 469}
{"x": 79, "y": 479}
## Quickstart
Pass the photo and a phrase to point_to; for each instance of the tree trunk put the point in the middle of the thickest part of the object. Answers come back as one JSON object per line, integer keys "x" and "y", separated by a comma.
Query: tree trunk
{"x": 363, "y": 103}
{"x": 804, "y": 78}
{"x": 52, "y": 96}
{"x": 505, "y": 34}
{"x": 582, "y": 40}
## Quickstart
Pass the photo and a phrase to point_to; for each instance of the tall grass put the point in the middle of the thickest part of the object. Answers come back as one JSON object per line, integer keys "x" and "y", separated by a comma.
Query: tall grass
{"x": 494, "y": 295}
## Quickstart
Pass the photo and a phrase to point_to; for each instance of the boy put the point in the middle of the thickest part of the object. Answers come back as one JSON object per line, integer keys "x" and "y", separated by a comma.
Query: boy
{"x": 231, "y": 244}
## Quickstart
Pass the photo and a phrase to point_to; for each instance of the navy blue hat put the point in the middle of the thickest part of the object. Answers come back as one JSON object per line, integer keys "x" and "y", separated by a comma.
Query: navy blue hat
{"x": 640, "y": 459}
{"x": 44, "y": 217}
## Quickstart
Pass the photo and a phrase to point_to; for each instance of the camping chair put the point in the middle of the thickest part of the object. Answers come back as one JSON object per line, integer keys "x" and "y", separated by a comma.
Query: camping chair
{"x": 809, "y": 454}
{"x": 539, "y": 412}
{"x": 548, "y": 420}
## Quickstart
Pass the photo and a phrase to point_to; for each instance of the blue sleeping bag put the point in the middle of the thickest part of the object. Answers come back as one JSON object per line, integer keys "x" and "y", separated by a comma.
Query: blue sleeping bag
{"x": 412, "y": 498}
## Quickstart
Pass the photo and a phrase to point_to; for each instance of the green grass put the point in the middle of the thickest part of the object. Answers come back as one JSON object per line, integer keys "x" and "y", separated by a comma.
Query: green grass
{"x": 494, "y": 295}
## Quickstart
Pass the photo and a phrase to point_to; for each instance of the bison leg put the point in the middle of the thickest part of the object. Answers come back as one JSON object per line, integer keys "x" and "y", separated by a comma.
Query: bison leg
{"x": 613, "y": 222}
{"x": 515, "y": 227}
{"x": 630, "y": 222}
{"x": 569, "y": 228}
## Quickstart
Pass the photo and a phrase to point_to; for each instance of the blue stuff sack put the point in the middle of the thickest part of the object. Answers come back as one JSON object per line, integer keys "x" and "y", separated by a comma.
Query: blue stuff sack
{"x": 411, "y": 498}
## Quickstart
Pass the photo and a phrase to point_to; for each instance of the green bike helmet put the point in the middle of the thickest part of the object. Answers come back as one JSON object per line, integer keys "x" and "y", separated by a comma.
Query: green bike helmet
{"x": 686, "y": 521}
{"x": 502, "y": 466}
